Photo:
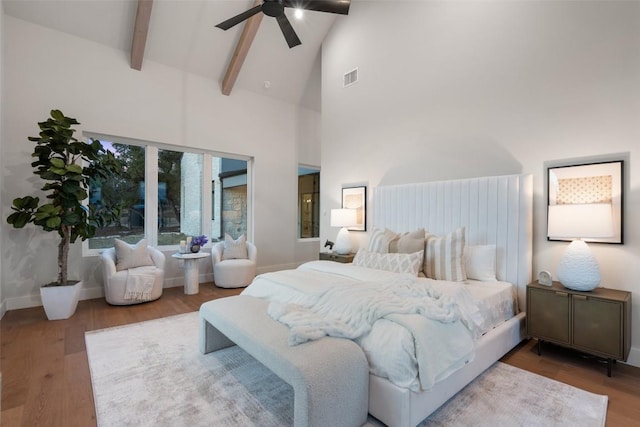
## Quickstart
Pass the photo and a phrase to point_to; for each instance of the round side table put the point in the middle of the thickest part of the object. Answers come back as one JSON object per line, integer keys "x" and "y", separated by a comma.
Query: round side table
{"x": 191, "y": 272}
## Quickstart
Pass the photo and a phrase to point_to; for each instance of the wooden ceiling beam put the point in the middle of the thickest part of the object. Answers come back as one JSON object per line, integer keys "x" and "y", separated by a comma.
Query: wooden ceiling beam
{"x": 140, "y": 31}
{"x": 242, "y": 49}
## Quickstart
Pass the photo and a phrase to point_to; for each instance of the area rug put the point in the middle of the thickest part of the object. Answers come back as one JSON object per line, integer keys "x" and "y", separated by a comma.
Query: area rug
{"x": 152, "y": 374}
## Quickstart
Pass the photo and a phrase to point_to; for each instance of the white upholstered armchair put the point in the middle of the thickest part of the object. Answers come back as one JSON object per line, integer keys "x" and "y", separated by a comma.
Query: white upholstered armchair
{"x": 233, "y": 273}
{"x": 115, "y": 282}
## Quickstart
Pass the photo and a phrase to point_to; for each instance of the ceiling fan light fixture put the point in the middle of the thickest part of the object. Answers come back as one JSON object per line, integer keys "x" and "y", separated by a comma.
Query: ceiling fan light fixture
{"x": 273, "y": 8}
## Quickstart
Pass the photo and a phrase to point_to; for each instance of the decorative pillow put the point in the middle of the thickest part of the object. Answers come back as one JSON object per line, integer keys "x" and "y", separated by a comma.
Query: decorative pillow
{"x": 443, "y": 257}
{"x": 380, "y": 239}
{"x": 235, "y": 249}
{"x": 408, "y": 243}
{"x": 131, "y": 256}
{"x": 397, "y": 263}
{"x": 480, "y": 262}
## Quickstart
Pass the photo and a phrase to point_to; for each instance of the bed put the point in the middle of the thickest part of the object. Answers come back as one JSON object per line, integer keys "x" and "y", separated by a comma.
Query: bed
{"x": 491, "y": 212}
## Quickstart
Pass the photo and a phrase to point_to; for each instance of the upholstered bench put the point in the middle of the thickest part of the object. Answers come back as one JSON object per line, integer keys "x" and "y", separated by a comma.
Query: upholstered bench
{"x": 330, "y": 376}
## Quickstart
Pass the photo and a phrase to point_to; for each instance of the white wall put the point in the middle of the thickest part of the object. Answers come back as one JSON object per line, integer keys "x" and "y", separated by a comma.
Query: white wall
{"x": 2, "y": 165}
{"x": 462, "y": 89}
{"x": 95, "y": 84}
{"x": 308, "y": 134}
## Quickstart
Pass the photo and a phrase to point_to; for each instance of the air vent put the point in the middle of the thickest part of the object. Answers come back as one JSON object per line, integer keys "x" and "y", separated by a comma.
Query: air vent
{"x": 350, "y": 78}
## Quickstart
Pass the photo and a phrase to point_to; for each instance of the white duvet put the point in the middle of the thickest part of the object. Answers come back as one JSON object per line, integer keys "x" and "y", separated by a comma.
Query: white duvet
{"x": 414, "y": 332}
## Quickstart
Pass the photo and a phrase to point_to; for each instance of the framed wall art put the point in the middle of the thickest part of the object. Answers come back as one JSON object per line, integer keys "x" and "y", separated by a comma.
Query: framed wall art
{"x": 589, "y": 193}
{"x": 356, "y": 198}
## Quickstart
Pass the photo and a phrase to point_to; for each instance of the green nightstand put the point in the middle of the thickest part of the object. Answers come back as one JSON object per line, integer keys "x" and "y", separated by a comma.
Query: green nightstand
{"x": 596, "y": 322}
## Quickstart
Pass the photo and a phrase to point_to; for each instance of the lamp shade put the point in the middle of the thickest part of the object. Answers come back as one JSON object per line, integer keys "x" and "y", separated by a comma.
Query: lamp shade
{"x": 343, "y": 217}
{"x": 574, "y": 221}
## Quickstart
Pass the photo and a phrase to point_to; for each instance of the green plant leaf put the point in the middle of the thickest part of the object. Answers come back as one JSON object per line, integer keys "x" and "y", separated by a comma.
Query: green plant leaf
{"x": 19, "y": 219}
{"x": 74, "y": 168}
{"x": 71, "y": 187}
{"x": 57, "y": 115}
{"x": 54, "y": 222}
{"x": 25, "y": 202}
{"x": 58, "y": 171}
{"x": 58, "y": 163}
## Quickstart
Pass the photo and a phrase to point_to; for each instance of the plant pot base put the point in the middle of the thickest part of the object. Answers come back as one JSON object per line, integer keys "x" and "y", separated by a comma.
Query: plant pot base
{"x": 60, "y": 302}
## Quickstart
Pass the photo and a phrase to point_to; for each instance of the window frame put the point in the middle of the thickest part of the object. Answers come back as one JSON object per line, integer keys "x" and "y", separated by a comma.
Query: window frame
{"x": 299, "y": 219}
{"x": 151, "y": 187}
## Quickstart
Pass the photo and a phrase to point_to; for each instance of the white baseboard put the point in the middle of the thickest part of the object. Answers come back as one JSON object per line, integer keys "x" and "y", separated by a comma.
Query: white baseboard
{"x": 34, "y": 300}
{"x": 634, "y": 357}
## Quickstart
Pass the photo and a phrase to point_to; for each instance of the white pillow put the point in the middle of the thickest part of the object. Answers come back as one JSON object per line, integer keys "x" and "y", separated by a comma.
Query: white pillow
{"x": 131, "y": 256}
{"x": 380, "y": 239}
{"x": 480, "y": 262}
{"x": 443, "y": 257}
{"x": 397, "y": 263}
{"x": 235, "y": 249}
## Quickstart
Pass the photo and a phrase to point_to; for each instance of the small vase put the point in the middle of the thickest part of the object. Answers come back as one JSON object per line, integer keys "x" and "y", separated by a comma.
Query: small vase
{"x": 195, "y": 248}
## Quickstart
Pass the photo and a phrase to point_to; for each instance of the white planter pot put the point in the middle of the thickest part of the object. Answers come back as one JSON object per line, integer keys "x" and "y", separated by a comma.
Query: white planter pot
{"x": 60, "y": 302}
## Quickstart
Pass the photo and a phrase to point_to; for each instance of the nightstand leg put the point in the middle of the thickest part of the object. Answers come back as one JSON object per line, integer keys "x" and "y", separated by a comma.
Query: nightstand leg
{"x": 539, "y": 347}
{"x": 609, "y": 364}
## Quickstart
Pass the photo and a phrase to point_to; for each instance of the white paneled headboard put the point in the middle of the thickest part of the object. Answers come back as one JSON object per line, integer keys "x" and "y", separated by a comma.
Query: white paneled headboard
{"x": 496, "y": 210}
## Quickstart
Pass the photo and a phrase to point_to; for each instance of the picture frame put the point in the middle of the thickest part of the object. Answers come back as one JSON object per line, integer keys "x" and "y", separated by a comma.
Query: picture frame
{"x": 579, "y": 184}
{"x": 356, "y": 198}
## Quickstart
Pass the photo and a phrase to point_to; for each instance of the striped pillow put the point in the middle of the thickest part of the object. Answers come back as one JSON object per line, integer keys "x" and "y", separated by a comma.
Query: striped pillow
{"x": 444, "y": 257}
{"x": 380, "y": 239}
{"x": 397, "y": 263}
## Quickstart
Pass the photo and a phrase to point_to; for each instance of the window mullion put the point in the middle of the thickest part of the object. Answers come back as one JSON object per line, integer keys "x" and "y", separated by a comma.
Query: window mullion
{"x": 151, "y": 195}
{"x": 207, "y": 200}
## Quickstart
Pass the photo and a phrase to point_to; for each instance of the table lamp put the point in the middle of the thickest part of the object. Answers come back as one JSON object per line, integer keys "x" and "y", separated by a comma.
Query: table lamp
{"x": 578, "y": 268}
{"x": 343, "y": 218}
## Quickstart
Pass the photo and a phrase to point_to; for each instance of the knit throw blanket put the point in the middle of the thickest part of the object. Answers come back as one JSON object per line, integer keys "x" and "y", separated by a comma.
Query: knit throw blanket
{"x": 350, "y": 311}
{"x": 442, "y": 333}
{"x": 139, "y": 283}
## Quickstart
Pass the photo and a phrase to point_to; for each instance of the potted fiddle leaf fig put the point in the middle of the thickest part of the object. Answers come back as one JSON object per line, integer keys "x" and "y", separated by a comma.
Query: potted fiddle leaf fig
{"x": 67, "y": 167}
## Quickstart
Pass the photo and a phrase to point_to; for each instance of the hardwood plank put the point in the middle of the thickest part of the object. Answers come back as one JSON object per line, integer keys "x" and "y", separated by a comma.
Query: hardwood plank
{"x": 46, "y": 379}
{"x": 46, "y": 376}
{"x": 11, "y": 417}
{"x": 79, "y": 407}
{"x": 140, "y": 32}
{"x": 242, "y": 49}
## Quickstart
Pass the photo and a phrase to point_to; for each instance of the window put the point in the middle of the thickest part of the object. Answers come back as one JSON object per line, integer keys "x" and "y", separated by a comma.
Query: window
{"x": 189, "y": 193}
{"x": 229, "y": 204}
{"x": 308, "y": 202}
{"x": 126, "y": 190}
{"x": 179, "y": 196}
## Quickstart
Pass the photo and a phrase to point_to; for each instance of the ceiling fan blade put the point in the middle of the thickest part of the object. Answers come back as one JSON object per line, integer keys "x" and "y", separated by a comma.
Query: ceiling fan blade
{"x": 231, "y": 22}
{"x": 330, "y": 6}
{"x": 288, "y": 31}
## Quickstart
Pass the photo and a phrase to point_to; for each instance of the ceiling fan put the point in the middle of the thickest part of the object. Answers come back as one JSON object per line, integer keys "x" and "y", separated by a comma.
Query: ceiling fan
{"x": 275, "y": 8}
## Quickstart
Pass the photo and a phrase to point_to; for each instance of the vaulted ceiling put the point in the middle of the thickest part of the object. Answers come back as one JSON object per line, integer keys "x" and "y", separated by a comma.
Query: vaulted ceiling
{"x": 182, "y": 34}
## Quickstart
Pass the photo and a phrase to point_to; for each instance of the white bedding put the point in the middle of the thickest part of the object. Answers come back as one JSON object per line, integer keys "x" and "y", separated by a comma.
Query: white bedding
{"x": 393, "y": 350}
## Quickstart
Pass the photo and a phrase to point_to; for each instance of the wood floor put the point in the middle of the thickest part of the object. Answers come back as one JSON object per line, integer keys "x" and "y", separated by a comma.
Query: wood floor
{"x": 46, "y": 380}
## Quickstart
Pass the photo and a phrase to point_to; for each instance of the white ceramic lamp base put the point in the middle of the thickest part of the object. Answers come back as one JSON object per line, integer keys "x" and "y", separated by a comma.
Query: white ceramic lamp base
{"x": 343, "y": 244}
{"x": 578, "y": 268}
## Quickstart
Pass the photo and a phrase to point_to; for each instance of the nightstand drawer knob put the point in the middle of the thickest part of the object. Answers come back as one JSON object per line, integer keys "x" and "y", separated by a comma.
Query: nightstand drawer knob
{"x": 562, "y": 294}
{"x": 580, "y": 297}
